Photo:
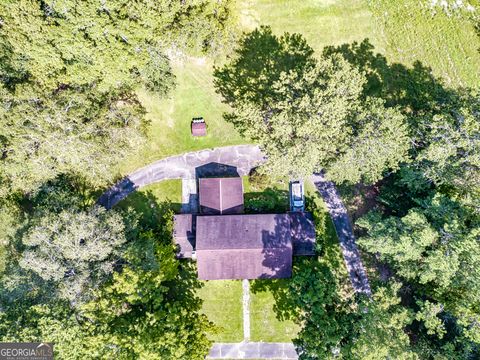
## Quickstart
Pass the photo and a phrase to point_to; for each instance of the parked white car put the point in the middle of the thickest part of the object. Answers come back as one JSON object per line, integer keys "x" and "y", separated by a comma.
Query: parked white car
{"x": 297, "y": 196}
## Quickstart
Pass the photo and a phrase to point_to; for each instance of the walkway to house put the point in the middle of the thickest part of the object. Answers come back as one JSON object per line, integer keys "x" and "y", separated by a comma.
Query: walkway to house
{"x": 253, "y": 350}
{"x": 247, "y": 349}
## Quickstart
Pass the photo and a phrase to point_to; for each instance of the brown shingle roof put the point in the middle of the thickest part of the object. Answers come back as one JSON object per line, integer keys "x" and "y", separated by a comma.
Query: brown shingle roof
{"x": 183, "y": 234}
{"x": 199, "y": 128}
{"x": 302, "y": 231}
{"x": 221, "y": 195}
{"x": 244, "y": 246}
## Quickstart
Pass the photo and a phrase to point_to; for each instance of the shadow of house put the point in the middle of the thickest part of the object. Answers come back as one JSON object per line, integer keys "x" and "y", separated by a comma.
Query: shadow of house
{"x": 214, "y": 169}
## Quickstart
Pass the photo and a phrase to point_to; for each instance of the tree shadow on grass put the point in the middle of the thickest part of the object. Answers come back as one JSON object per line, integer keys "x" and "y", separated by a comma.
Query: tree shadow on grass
{"x": 261, "y": 59}
{"x": 413, "y": 89}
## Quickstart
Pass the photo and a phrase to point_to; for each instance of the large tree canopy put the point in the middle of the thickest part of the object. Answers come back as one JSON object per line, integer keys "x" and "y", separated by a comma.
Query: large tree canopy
{"x": 73, "y": 249}
{"x": 68, "y": 74}
{"x": 309, "y": 114}
{"x": 147, "y": 309}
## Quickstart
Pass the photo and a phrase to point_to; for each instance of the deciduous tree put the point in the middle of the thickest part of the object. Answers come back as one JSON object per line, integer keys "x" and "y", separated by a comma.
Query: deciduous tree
{"x": 309, "y": 114}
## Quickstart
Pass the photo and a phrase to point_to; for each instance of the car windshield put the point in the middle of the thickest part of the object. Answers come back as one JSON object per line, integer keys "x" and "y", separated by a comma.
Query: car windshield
{"x": 296, "y": 191}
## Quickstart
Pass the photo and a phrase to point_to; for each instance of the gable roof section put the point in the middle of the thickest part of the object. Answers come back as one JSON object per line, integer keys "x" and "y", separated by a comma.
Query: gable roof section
{"x": 258, "y": 231}
{"x": 221, "y": 195}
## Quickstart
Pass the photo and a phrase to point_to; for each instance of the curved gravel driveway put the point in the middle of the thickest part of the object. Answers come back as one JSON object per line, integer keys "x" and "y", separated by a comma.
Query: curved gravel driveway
{"x": 241, "y": 159}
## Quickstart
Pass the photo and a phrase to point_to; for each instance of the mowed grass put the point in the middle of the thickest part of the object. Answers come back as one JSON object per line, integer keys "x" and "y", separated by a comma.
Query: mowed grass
{"x": 222, "y": 303}
{"x": 265, "y": 323}
{"x": 167, "y": 191}
{"x": 169, "y": 132}
{"x": 321, "y": 22}
{"x": 449, "y": 45}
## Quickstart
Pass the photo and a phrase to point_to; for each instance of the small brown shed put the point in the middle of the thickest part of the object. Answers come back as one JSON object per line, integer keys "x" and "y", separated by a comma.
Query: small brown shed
{"x": 221, "y": 195}
{"x": 199, "y": 127}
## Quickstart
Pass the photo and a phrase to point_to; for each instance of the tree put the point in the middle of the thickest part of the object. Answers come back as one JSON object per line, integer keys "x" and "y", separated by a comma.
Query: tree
{"x": 380, "y": 329}
{"x": 452, "y": 154}
{"x": 150, "y": 310}
{"x": 68, "y": 79}
{"x": 71, "y": 132}
{"x": 75, "y": 250}
{"x": 309, "y": 114}
{"x": 435, "y": 247}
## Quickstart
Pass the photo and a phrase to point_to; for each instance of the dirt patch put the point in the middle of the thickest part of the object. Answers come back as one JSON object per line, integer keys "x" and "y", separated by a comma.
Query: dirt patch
{"x": 363, "y": 199}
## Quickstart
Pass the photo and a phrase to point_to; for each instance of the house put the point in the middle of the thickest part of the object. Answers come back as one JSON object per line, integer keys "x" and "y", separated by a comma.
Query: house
{"x": 228, "y": 244}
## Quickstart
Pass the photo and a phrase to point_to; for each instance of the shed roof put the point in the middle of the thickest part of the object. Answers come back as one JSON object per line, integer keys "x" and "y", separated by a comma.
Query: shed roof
{"x": 199, "y": 128}
{"x": 221, "y": 195}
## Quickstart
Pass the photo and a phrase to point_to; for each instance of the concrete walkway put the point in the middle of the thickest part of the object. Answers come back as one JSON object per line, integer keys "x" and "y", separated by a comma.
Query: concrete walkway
{"x": 338, "y": 213}
{"x": 253, "y": 350}
{"x": 189, "y": 196}
{"x": 246, "y": 309}
{"x": 234, "y": 160}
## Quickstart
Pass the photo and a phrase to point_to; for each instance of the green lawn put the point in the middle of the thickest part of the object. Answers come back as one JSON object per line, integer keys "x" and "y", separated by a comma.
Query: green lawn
{"x": 449, "y": 45}
{"x": 265, "y": 324}
{"x": 322, "y": 22}
{"x": 222, "y": 303}
{"x": 397, "y": 29}
{"x": 170, "y": 119}
{"x": 164, "y": 191}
